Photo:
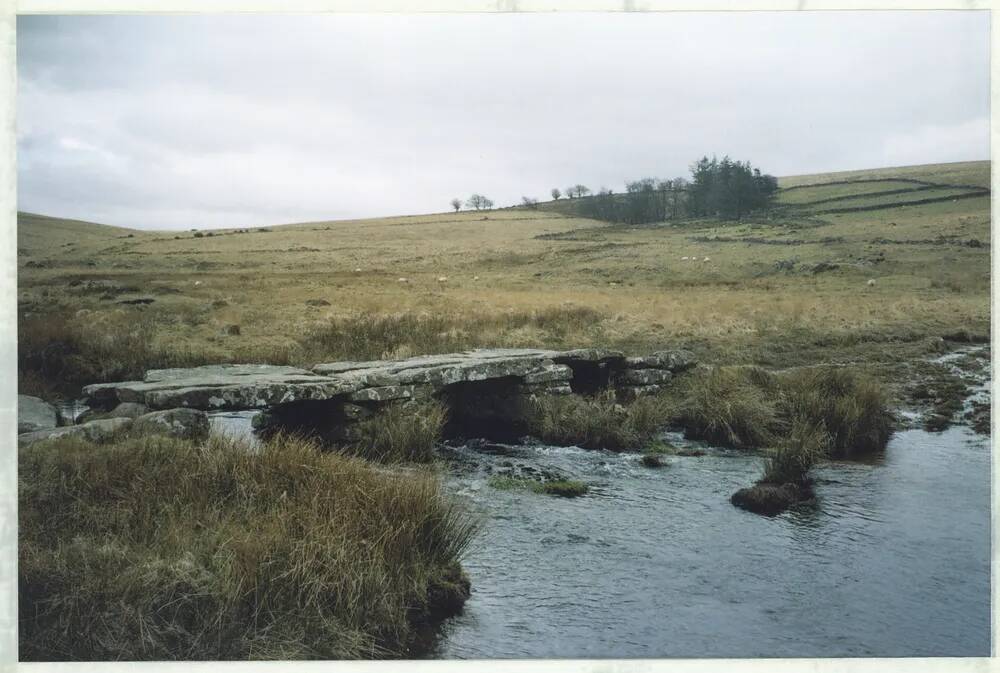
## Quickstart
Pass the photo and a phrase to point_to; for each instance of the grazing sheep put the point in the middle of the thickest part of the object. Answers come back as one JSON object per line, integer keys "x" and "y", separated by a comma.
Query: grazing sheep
{"x": 475, "y": 278}
{"x": 443, "y": 279}
{"x": 684, "y": 259}
{"x": 871, "y": 282}
{"x": 357, "y": 271}
{"x": 706, "y": 259}
{"x": 403, "y": 280}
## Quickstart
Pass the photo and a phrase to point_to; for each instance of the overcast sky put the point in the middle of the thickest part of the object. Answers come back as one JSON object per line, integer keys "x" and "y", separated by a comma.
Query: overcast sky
{"x": 208, "y": 121}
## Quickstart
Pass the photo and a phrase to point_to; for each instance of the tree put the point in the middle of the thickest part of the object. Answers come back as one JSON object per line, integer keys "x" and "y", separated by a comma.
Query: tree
{"x": 456, "y": 204}
{"x": 529, "y": 202}
{"x": 556, "y": 193}
{"x": 479, "y": 202}
{"x": 728, "y": 189}
{"x": 577, "y": 191}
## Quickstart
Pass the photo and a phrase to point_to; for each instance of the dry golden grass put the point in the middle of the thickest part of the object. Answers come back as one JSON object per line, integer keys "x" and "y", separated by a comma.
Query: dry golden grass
{"x": 956, "y": 173}
{"x": 639, "y": 293}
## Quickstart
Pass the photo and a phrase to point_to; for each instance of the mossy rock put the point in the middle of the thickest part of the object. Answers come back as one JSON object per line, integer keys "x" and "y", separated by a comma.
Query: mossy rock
{"x": 652, "y": 460}
{"x": 771, "y": 499}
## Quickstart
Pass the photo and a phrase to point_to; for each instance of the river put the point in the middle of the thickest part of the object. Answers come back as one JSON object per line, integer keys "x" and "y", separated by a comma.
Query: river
{"x": 892, "y": 561}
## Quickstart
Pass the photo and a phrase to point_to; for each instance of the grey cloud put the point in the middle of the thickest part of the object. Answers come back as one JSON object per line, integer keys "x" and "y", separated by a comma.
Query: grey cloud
{"x": 161, "y": 121}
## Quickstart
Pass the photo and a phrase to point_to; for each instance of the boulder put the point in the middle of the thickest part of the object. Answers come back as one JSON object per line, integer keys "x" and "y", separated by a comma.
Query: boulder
{"x": 180, "y": 423}
{"x": 95, "y": 431}
{"x": 673, "y": 360}
{"x": 35, "y": 414}
{"x": 128, "y": 410}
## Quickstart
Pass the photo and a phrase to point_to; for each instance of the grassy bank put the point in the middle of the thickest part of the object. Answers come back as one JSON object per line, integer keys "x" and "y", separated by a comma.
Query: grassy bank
{"x": 151, "y": 548}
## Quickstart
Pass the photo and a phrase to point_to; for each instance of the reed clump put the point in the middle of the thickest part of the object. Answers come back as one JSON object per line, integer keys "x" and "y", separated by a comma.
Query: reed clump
{"x": 401, "y": 432}
{"x": 596, "y": 422}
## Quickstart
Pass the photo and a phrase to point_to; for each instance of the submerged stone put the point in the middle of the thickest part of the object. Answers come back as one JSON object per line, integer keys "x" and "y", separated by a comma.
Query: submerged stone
{"x": 34, "y": 414}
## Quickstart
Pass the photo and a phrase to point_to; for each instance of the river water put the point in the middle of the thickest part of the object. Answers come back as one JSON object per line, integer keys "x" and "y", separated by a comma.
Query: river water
{"x": 893, "y": 560}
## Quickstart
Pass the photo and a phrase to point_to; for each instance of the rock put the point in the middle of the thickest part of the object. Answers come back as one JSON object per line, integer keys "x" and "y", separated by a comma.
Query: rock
{"x": 673, "y": 360}
{"x": 95, "y": 431}
{"x": 128, "y": 410}
{"x": 531, "y": 371}
{"x": 771, "y": 499}
{"x": 35, "y": 414}
{"x": 588, "y": 355}
{"x": 317, "y": 302}
{"x": 549, "y": 373}
{"x": 644, "y": 377}
{"x": 180, "y": 423}
{"x": 222, "y": 387}
{"x": 387, "y": 393}
{"x": 554, "y": 388}
{"x": 356, "y": 412}
{"x": 652, "y": 460}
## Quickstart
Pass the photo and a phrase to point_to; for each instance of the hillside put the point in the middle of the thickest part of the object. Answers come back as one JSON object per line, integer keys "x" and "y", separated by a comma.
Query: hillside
{"x": 792, "y": 289}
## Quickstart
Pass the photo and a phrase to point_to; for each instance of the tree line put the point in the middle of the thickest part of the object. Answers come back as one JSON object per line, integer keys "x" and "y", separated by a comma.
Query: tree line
{"x": 724, "y": 188}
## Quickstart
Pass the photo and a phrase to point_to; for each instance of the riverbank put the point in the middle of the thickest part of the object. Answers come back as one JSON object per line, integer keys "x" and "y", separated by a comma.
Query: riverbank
{"x": 150, "y": 548}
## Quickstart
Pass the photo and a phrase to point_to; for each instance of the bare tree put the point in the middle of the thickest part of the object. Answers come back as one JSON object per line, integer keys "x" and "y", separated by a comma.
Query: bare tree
{"x": 556, "y": 193}
{"x": 479, "y": 202}
{"x": 529, "y": 202}
{"x": 578, "y": 191}
{"x": 456, "y": 204}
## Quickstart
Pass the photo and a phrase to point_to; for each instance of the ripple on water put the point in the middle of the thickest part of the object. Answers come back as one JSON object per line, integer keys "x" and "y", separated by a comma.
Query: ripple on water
{"x": 892, "y": 561}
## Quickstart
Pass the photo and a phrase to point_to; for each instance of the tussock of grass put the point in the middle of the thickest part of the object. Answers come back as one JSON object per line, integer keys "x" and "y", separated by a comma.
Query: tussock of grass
{"x": 400, "y": 432}
{"x": 851, "y": 408}
{"x": 748, "y": 407}
{"x": 566, "y": 488}
{"x": 659, "y": 447}
{"x": 596, "y": 423}
{"x": 152, "y": 548}
{"x": 729, "y": 406}
{"x": 793, "y": 456}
